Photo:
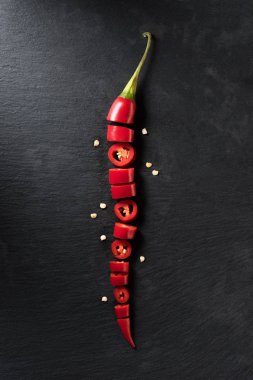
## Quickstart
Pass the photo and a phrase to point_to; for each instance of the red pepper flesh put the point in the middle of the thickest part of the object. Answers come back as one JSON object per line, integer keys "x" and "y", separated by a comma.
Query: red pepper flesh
{"x": 124, "y": 324}
{"x": 120, "y": 176}
{"x": 126, "y": 210}
{"x": 124, "y": 231}
{"x": 121, "y": 154}
{"x": 122, "y": 110}
{"x": 123, "y": 191}
{"x": 121, "y": 294}
{"x": 118, "y": 279}
{"x": 120, "y": 134}
{"x": 121, "y": 249}
{"x": 122, "y": 311}
{"x": 119, "y": 266}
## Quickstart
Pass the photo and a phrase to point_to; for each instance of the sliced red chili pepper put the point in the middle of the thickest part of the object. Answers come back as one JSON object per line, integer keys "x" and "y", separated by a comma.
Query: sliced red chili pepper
{"x": 119, "y": 279}
{"x": 119, "y": 266}
{"x": 121, "y": 294}
{"x": 120, "y": 176}
{"x": 121, "y": 249}
{"x": 126, "y": 210}
{"x": 124, "y": 231}
{"x": 121, "y": 134}
{"x": 124, "y": 324}
{"x": 123, "y": 108}
{"x": 122, "y": 311}
{"x": 123, "y": 191}
{"x": 121, "y": 154}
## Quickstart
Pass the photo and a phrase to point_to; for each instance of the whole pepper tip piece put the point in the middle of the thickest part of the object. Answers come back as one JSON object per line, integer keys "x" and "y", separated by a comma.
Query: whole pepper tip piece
{"x": 130, "y": 89}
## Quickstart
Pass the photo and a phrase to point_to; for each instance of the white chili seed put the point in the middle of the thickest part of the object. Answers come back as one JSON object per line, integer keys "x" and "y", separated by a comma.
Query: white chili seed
{"x": 142, "y": 259}
{"x": 104, "y": 299}
{"x": 155, "y": 172}
{"x": 93, "y": 215}
{"x": 102, "y": 237}
{"x": 96, "y": 143}
{"x": 102, "y": 205}
{"x": 124, "y": 250}
{"x": 149, "y": 164}
{"x": 144, "y": 131}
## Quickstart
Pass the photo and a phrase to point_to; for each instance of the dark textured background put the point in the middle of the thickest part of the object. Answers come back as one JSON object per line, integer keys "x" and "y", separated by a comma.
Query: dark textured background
{"x": 62, "y": 65}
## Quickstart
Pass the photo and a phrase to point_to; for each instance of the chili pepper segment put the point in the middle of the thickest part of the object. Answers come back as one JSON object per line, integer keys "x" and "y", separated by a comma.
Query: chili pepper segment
{"x": 123, "y": 108}
{"x": 122, "y": 311}
{"x": 120, "y": 134}
{"x": 119, "y": 279}
{"x": 124, "y": 231}
{"x": 121, "y": 249}
{"x": 126, "y": 210}
{"x": 121, "y": 154}
{"x": 121, "y": 176}
{"x": 121, "y": 294}
{"x": 119, "y": 266}
{"x": 124, "y": 324}
{"x": 123, "y": 191}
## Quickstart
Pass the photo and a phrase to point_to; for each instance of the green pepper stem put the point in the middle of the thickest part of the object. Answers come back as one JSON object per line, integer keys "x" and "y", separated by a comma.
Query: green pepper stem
{"x": 130, "y": 89}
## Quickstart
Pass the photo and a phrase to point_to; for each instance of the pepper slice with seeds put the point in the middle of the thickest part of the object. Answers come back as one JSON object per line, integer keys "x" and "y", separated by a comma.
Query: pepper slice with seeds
{"x": 121, "y": 249}
{"x": 121, "y": 155}
{"x": 121, "y": 294}
{"x": 126, "y": 210}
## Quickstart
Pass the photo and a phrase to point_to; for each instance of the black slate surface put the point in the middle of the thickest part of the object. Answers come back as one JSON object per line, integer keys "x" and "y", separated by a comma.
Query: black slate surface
{"x": 62, "y": 65}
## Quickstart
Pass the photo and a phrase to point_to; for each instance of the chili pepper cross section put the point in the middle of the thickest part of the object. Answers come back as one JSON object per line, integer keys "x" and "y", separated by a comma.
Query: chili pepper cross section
{"x": 122, "y": 155}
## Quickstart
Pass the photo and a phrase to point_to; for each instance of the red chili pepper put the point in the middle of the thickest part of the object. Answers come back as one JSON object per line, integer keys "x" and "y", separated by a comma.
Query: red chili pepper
{"x": 126, "y": 210}
{"x": 120, "y": 176}
{"x": 123, "y": 107}
{"x": 121, "y": 294}
{"x": 122, "y": 184}
{"x": 124, "y": 324}
{"x": 119, "y": 266}
{"x": 123, "y": 191}
{"x": 121, "y": 249}
{"x": 121, "y": 154}
{"x": 124, "y": 231}
{"x": 118, "y": 279}
{"x": 121, "y": 134}
{"x": 122, "y": 311}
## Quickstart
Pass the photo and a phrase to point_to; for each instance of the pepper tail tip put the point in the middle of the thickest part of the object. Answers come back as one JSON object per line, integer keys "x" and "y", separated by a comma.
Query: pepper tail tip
{"x": 147, "y": 34}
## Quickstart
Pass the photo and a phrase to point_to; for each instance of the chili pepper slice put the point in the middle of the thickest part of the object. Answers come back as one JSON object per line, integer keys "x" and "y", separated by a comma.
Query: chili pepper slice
{"x": 121, "y": 154}
{"x": 121, "y": 294}
{"x": 124, "y": 231}
{"x": 121, "y": 249}
{"x": 122, "y": 311}
{"x": 124, "y": 324}
{"x": 123, "y": 191}
{"x": 123, "y": 108}
{"x": 126, "y": 210}
{"x": 119, "y": 266}
{"x": 121, "y": 134}
{"x": 119, "y": 279}
{"x": 120, "y": 176}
